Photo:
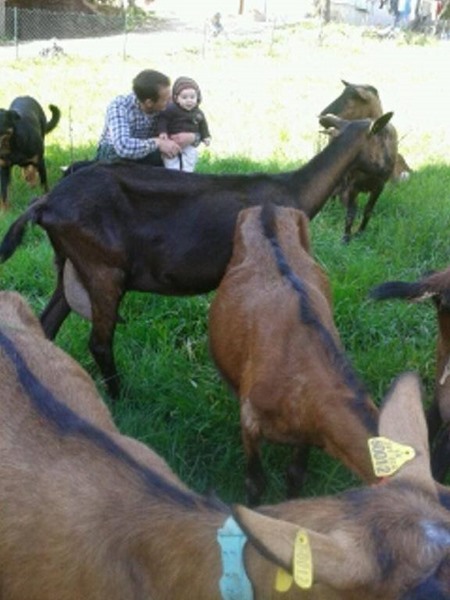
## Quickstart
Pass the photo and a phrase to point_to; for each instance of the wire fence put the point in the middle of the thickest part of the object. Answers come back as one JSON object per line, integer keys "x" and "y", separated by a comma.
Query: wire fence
{"x": 20, "y": 26}
{"x": 34, "y": 24}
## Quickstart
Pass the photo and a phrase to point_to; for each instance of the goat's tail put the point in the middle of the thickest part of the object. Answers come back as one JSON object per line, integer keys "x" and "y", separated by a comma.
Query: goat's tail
{"x": 54, "y": 120}
{"x": 414, "y": 292}
{"x": 15, "y": 233}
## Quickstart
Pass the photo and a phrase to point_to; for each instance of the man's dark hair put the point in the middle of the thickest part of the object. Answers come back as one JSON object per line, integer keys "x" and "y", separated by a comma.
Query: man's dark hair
{"x": 146, "y": 84}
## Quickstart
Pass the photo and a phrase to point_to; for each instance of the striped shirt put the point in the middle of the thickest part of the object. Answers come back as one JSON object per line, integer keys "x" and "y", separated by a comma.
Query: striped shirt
{"x": 127, "y": 131}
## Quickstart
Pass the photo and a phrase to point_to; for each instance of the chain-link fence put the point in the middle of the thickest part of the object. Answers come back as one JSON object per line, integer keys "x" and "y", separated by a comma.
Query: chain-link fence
{"x": 21, "y": 26}
{"x": 25, "y": 25}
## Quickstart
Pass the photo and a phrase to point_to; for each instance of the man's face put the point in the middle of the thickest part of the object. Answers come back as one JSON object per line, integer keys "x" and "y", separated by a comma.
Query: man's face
{"x": 151, "y": 106}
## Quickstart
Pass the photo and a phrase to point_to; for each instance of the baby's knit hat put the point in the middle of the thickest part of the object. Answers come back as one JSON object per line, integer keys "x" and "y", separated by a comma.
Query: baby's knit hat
{"x": 183, "y": 83}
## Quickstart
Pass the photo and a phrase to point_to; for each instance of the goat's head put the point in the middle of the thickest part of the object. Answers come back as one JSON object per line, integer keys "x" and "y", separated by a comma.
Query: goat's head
{"x": 390, "y": 541}
{"x": 374, "y": 156}
{"x": 355, "y": 102}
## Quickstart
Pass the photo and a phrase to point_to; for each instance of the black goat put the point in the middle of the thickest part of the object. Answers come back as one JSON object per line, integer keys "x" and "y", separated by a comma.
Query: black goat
{"x": 130, "y": 227}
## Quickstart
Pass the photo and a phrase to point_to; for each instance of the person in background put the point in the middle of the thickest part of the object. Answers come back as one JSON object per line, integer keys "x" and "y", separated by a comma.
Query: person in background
{"x": 183, "y": 116}
{"x": 130, "y": 132}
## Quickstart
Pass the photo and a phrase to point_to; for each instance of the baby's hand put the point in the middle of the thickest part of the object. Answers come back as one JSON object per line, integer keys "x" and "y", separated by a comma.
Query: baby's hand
{"x": 207, "y": 141}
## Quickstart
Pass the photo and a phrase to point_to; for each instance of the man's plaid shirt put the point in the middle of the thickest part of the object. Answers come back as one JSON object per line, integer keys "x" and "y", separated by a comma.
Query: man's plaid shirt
{"x": 127, "y": 130}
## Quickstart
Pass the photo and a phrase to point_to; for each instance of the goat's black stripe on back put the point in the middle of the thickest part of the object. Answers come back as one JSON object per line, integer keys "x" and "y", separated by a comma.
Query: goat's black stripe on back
{"x": 309, "y": 317}
{"x": 67, "y": 423}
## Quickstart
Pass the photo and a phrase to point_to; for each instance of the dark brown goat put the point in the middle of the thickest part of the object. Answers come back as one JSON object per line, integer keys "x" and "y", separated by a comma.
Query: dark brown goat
{"x": 128, "y": 227}
{"x": 363, "y": 102}
{"x": 437, "y": 287}
{"x": 86, "y": 512}
{"x": 273, "y": 338}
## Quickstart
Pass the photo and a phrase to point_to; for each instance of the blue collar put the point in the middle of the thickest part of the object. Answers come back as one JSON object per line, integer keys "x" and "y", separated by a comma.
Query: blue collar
{"x": 234, "y": 583}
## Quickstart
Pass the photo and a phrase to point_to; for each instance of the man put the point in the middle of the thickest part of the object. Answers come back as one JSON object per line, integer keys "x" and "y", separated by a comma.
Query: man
{"x": 130, "y": 123}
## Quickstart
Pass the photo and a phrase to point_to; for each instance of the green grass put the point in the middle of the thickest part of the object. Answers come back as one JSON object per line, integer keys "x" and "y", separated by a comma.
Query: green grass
{"x": 262, "y": 100}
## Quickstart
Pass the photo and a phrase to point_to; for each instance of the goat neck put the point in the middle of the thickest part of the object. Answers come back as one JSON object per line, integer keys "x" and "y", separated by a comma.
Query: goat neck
{"x": 317, "y": 180}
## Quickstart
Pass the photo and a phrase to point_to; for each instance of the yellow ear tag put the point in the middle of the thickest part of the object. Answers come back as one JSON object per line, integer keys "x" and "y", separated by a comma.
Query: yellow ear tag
{"x": 303, "y": 568}
{"x": 283, "y": 581}
{"x": 388, "y": 456}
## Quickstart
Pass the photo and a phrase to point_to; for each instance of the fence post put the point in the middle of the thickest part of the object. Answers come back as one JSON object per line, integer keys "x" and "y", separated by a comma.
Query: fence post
{"x": 16, "y": 30}
{"x": 2, "y": 19}
{"x": 124, "y": 5}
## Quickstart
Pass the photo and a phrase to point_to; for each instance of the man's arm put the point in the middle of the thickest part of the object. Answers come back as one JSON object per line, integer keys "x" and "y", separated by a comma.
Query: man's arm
{"x": 119, "y": 130}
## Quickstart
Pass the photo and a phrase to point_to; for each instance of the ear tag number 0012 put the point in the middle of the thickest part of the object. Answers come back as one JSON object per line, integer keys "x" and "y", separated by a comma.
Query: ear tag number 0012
{"x": 302, "y": 566}
{"x": 388, "y": 456}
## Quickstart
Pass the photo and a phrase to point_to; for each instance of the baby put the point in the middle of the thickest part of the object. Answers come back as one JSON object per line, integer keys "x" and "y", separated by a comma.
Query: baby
{"x": 184, "y": 115}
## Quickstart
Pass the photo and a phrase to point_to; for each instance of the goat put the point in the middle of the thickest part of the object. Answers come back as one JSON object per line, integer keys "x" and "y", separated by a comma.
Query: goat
{"x": 384, "y": 162}
{"x": 273, "y": 338}
{"x": 437, "y": 287}
{"x": 362, "y": 101}
{"x": 127, "y": 227}
{"x": 86, "y": 512}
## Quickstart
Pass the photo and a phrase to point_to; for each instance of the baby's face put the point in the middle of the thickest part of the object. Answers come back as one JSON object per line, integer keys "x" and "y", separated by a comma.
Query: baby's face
{"x": 187, "y": 98}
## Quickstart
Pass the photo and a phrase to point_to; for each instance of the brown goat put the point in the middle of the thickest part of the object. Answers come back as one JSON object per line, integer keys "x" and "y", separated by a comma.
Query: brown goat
{"x": 437, "y": 287}
{"x": 127, "y": 227}
{"x": 273, "y": 338}
{"x": 86, "y": 512}
{"x": 363, "y": 102}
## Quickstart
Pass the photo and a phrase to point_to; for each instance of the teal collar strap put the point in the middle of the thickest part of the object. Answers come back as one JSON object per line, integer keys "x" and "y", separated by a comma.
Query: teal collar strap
{"x": 234, "y": 583}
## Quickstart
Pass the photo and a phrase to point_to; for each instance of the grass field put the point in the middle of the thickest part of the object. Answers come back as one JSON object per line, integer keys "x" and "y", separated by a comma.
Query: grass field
{"x": 262, "y": 97}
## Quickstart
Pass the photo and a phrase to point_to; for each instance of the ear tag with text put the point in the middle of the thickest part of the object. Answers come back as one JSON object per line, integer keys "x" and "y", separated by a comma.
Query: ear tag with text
{"x": 303, "y": 568}
{"x": 388, "y": 456}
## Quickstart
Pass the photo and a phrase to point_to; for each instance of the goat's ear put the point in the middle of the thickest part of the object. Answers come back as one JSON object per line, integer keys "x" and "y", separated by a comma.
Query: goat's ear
{"x": 365, "y": 94}
{"x": 402, "y": 420}
{"x": 14, "y": 116}
{"x": 346, "y": 83}
{"x": 381, "y": 123}
{"x": 276, "y": 539}
{"x": 330, "y": 120}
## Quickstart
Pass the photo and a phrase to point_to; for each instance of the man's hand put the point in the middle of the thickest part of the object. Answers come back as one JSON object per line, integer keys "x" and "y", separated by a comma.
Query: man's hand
{"x": 168, "y": 147}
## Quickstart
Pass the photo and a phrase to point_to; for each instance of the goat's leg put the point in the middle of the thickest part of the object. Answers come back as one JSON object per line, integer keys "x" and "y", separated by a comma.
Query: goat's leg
{"x": 434, "y": 421}
{"x": 55, "y": 313}
{"x": 296, "y": 472}
{"x": 255, "y": 481}
{"x": 42, "y": 170}
{"x": 57, "y": 309}
{"x": 5, "y": 176}
{"x": 105, "y": 300}
{"x": 349, "y": 202}
{"x": 440, "y": 454}
{"x": 368, "y": 209}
